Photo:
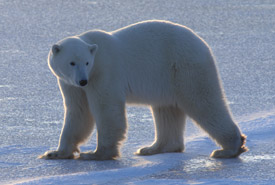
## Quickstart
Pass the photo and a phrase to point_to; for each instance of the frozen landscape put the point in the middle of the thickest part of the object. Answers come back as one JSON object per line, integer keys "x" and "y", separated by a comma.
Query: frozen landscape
{"x": 242, "y": 36}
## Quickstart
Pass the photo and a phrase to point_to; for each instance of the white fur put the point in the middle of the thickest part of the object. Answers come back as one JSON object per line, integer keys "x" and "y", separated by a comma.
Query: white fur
{"x": 156, "y": 63}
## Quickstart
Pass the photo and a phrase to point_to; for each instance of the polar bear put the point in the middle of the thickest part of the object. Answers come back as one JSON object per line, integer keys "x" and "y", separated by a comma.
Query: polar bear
{"x": 156, "y": 63}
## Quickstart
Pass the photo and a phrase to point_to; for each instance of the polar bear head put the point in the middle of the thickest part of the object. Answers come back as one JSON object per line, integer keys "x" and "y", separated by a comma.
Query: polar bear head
{"x": 71, "y": 60}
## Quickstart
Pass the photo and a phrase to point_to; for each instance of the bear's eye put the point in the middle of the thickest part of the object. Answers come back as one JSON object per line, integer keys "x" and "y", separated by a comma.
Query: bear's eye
{"x": 72, "y": 64}
{"x": 87, "y": 63}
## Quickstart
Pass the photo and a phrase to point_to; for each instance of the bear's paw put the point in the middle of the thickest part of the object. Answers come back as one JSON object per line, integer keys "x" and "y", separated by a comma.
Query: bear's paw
{"x": 231, "y": 153}
{"x": 151, "y": 150}
{"x": 56, "y": 155}
{"x": 95, "y": 156}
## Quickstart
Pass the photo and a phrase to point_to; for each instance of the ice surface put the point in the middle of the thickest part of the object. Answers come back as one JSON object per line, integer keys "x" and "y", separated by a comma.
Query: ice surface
{"x": 242, "y": 36}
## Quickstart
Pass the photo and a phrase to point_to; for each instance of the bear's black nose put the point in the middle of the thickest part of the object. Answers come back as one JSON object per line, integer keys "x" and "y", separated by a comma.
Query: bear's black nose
{"x": 83, "y": 82}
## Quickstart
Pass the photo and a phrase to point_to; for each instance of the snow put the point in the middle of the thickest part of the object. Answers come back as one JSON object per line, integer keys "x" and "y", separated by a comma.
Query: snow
{"x": 242, "y": 36}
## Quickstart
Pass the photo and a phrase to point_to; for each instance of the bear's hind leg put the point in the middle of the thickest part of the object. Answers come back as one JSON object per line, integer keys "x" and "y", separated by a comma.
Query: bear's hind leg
{"x": 169, "y": 128}
{"x": 213, "y": 116}
{"x": 201, "y": 97}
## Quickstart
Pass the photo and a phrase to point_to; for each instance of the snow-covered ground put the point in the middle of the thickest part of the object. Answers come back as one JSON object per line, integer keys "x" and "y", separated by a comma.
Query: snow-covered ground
{"x": 242, "y": 36}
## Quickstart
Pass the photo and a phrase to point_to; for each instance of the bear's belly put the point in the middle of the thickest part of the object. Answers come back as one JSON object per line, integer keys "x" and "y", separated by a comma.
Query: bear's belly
{"x": 151, "y": 98}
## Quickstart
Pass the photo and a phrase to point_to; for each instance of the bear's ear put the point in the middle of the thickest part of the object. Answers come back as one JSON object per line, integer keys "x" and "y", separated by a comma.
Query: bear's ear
{"x": 55, "y": 49}
{"x": 93, "y": 48}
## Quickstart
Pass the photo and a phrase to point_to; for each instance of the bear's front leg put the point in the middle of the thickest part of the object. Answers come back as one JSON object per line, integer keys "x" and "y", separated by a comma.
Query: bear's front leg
{"x": 68, "y": 143}
{"x": 77, "y": 128}
{"x": 78, "y": 123}
{"x": 111, "y": 130}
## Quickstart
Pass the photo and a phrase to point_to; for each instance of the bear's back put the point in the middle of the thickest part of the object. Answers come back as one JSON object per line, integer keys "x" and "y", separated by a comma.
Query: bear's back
{"x": 162, "y": 36}
{"x": 153, "y": 29}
